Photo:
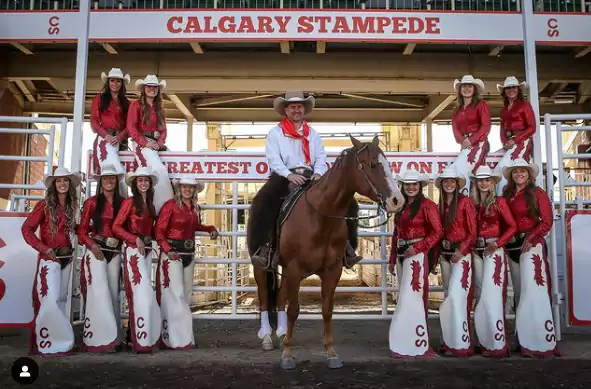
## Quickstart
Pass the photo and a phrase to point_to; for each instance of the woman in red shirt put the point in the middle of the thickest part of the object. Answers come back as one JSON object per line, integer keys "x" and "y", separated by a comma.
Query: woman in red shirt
{"x": 458, "y": 218}
{"x": 146, "y": 124}
{"x": 530, "y": 271}
{"x": 175, "y": 230}
{"x": 417, "y": 229}
{"x": 495, "y": 227}
{"x": 51, "y": 332}
{"x": 101, "y": 265}
{"x": 134, "y": 224}
{"x": 470, "y": 122}
{"x": 108, "y": 119}
{"x": 518, "y": 125}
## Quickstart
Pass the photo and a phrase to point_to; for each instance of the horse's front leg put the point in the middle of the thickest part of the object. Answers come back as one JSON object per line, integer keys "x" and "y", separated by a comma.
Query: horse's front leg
{"x": 330, "y": 279}
{"x": 293, "y": 311}
{"x": 265, "y": 330}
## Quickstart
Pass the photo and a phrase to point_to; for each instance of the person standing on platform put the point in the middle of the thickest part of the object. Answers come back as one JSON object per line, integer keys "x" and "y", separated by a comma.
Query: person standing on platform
{"x": 108, "y": 119}
{"x": 530, "y": 270}
{"x": 54, "y": 216}
{"x": 175, "y": 230}
{"x": 518, "y": 125}
{"x": 146, "y": 124}
{"x": 495, "y": 225}
{"x": 134, "y": 224}
{"x": 101, "y": 265}
{"x": 417, "y": 229}
{"x": 458, "y": 218}
{"x": 470, "y": 122}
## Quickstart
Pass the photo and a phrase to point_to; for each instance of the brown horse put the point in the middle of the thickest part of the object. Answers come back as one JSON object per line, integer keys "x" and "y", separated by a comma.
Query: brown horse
{"x": 314, "y": 237}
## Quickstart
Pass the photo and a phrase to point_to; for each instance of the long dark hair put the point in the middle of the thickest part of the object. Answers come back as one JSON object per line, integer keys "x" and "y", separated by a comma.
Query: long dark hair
{"x": 415, "y": 206}
{"x": 529, "y": 192}
{"x": 101, "y": 200}
{"x": 106, "y": 98}
{"x": 460, "y": 99}
{"x": 161, "y": 120}
{"x": 520, "y": 96}
{"x": 453, "y": 207}
{"x": 138, "y": 201}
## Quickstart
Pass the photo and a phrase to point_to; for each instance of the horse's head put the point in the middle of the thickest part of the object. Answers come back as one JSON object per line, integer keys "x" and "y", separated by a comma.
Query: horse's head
{"x": 373, "y": 175}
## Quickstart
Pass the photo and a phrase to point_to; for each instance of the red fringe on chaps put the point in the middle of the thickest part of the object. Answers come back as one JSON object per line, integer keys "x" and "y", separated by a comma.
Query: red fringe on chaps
{"x": 519, "y": 150}
{"x": 469, "y": 160}
{"x": 163, "y": 190}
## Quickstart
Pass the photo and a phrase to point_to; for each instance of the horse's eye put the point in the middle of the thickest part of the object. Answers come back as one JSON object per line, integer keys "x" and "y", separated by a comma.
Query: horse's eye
{"x": 373, "y": 165}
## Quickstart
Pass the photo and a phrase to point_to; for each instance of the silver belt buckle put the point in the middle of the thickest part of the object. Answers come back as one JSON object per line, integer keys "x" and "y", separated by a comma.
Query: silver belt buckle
{"x": 189, "y": 244}
{"x": 401, "y": 242}
{"x": 446, "y": 244}
{"x": 480, "y": 242}
{"x": 112, "y": 242}
{"x": 156, "y": 134}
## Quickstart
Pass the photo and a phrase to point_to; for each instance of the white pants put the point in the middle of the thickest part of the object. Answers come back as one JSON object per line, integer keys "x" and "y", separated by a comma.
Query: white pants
{"x": 163, "y": 189}
{"x": 175, "y": 283}
{"x": 52, "y": 332}
{"x": 521, "y": 150}
{"x": 100, "y": 288}
{"x": 145, "y": 320}
{"x": 454, "y": 311}
{"x": 468, "y": 160}
{"x": 105, "y": 153}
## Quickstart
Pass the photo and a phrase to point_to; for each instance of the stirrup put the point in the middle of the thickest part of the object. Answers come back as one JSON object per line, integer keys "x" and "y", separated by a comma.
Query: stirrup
{"x": 263, "y": 261}
{"x": 351, "y": 258}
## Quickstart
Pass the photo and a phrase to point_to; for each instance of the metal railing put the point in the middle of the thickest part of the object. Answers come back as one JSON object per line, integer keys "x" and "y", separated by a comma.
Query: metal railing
{"x": 558, "y": 6}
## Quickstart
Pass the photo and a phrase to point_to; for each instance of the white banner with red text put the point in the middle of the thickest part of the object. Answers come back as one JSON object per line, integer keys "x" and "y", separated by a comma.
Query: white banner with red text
{"x": 578, "y": 230}
{"x": 242, "y": 166}
{"x": 307, "y": 25}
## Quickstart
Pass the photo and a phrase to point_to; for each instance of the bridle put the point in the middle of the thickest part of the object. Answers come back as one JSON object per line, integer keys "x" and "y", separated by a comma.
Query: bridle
{"x": 381, "y": 202}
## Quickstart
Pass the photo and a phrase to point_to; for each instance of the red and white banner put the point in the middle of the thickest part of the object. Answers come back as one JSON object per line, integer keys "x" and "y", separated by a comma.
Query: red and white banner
{"x": 578, "y": 230}
{"x": 279, "y": 25}
{"x": 224, "y": 166}
{"x": 18, "y": 263}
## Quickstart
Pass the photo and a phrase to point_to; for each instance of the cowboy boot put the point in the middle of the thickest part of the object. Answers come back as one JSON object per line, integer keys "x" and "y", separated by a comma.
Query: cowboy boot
{"x": 351, "y": 258}
{"x": 262, "y": 256}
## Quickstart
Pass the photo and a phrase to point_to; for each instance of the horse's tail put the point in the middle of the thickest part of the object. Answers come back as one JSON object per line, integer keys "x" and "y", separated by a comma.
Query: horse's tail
{"x": 272, "y": 292}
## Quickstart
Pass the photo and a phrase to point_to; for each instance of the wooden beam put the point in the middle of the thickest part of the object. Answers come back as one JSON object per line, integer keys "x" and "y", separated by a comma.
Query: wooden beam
{"x": 59, "y": 90}
{"x": 17, "y": 94}
{"x": 383, "y": 100}
{"x": 109, "y": 48}
{"x": 436, "y": 105}
{"x": 582, "y": 52}
{"x": 26, "y": 92}
{"x": 409, "y": 49}
{"x": 320, "y": 47}
{"x": 495, "y": 51}
{"x": 196, "y": 47}
{"x": 285, "y": 47}
{"x": 182, "y": 104}
{"x": 22, "y": 48}
{"x": 227, "y": 99}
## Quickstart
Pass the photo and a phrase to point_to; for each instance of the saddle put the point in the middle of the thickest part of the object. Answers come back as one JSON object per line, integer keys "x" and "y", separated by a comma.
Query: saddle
{"x": 289, "y": 203}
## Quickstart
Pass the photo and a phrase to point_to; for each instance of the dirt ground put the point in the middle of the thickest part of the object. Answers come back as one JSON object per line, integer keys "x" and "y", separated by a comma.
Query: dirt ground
{"x": 229, "y": 356}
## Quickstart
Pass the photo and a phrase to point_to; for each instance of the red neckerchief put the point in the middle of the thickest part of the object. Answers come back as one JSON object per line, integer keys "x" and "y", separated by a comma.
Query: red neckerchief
{"x": 290, "y": 131}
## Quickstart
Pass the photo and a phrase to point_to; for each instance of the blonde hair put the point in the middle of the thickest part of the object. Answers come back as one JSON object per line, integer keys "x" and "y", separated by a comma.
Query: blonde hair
{"x": 178, "y": 199}
{"x": 476, "y": 196}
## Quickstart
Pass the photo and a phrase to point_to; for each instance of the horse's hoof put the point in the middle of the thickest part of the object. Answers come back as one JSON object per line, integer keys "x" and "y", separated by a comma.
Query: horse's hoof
{"x": 334, "y": 362}
{"x": 267, "y": 343}
{"x": 288, "y": 363}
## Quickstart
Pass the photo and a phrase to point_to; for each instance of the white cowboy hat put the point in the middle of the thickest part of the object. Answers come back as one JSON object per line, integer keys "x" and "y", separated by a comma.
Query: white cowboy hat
{"x": 411, "y": 176}
{"x": 109, "y": 170}
{"x": 294, "y": 97}
{"x": 450, "y": 171}
{"x": 190, "y": 181}
{"x": 468, "y": 79}
{"x": 142, "y": 172}
{"x": 150, "y": 79}
{"x": 62, "y": 172}
{"x": 534, "y": 170}
{"x": 115, "y": 73}
{"x": 485, "y": 171}
{"x": 509, "y": 82}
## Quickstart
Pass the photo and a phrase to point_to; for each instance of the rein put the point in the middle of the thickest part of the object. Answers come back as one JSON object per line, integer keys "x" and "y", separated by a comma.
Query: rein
{"x": 381, "y": 208}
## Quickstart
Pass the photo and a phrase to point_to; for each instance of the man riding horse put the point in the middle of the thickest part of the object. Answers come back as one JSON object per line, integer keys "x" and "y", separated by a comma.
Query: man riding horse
{"x": 296, "y": 158}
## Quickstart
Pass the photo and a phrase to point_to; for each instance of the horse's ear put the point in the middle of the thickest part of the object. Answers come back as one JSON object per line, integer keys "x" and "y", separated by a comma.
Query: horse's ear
{"x": 376, "y": 141}
{"x": 356, "y": 143}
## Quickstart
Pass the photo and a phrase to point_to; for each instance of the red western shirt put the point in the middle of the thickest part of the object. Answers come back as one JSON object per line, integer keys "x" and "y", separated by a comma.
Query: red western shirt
{"x": 40, "y": 218}
{"x": 111, "y": 119}
{"x": 85, "y": 232}
{"x": 535, "y": 228}
{"x": 518, "y": 122}
{"x": 463, "y": 228}
{"x": 178, "y": 224}
{"x": 426, "y": 224}
{"x": 136, "y": 125}
{"x": 135, "y": 225}
{"x": 497, "y": 223}
{"x": 472, "y": 120}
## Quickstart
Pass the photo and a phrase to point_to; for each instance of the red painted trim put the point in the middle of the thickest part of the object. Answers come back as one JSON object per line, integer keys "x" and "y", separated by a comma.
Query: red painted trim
{"x": 302, "y": 10}
{"x": 13, "y": 214}
{"x": 569, "y": 263}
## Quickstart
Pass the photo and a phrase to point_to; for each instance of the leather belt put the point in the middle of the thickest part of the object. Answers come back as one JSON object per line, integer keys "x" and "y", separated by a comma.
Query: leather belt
{"x": 449, "y": 246}
{"x": 515, "y": 242}
{"x": 147, "y": 240}
{"x": 306, "y": 172}
{"x": 155, "y": 135}
{"x": 481, "y": 242}
{"x": 187, "y": 244}
{"x": 510, "y": 134}
{"x": 109, "y": 242}
{"x": 402, "y": 242}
